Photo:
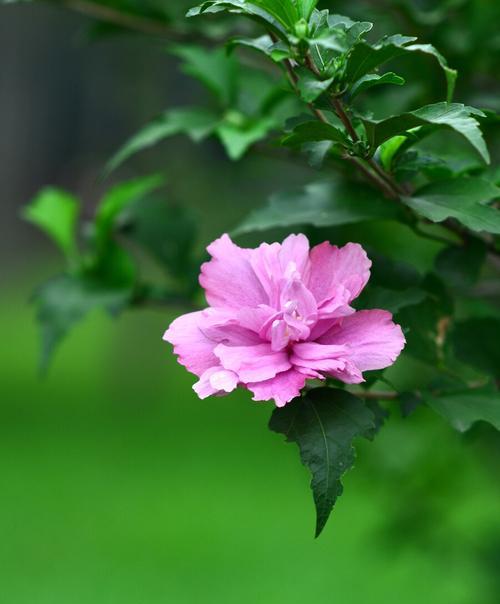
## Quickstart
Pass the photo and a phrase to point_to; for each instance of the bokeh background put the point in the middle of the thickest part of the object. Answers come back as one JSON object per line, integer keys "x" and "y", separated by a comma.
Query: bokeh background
{"x": 116, "y": 483}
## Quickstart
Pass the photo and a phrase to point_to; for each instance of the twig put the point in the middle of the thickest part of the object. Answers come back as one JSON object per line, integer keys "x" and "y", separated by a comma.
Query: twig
{"x": 144, "y": 25}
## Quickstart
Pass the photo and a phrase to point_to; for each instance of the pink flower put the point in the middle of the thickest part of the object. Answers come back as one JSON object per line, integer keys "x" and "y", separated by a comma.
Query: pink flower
{"x": 279, "y": 315}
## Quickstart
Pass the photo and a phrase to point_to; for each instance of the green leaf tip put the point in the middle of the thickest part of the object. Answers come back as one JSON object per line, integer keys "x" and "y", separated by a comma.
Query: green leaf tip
{"x": 324, "y": 423}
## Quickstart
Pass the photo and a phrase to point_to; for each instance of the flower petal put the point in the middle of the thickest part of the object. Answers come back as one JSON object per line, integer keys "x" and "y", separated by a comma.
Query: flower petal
{"x": 252, "y": 363}
{"x": 282, "y": 388}
{"x": 373, "y": 339}
{"x": 295, "y": 250}
{"x": 348, "y": 266}
{"x": 215, "y": 381}
{"x": 229, "y": 279}
{"x": 194, "y": 349}
{"x": 318, "y": 357}
{"x": 224, "y": 326}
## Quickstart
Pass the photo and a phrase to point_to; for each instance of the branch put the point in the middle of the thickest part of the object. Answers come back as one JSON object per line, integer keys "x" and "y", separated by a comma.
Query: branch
{"x": 138, "y": 23}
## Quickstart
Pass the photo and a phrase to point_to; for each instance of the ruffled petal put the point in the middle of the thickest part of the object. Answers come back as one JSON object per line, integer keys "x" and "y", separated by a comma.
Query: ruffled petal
{"x": 331, "y": 267}
{"x": 229, "y": 279}
{"x": 282, "y": 388}
{"x": 294, "y": 254}
{"x": 252, "y": 363}
{"x": 194, "y": 349}
{"x": 373, "y": 340}
{"x": 224, "y": 326}
{"x": 215, "y": 380}
{"x": 318, "y": 357}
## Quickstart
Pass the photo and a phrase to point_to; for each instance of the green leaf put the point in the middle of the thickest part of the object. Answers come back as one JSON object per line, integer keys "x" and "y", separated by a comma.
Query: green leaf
{"x": 366, "y": 57}
{"x": 55, "y": 212}
{"x": 116, "y": 200}
{"x": 465, "y": 408}
{"x": 305, "y": 8}
{"x": 255, "y": 10}
{"x": 462, "y": 198}
{"x": 420, "y": 325}
{"x": 238, "y": 137}
{"x": 333, "y": 34}
{"x": 390, "y": 299}
{"x": 310, "y": 87}
{"x": 65, "y": 300}
{"x": 459, "y": 266}
{"x": 324, "y": 423}
{"x": 373, "y": 79}
{"x": 454, "y": 116}
{"x": 321, "y": 204}
{"x": 276, "y": 51}
{"x": 476, "y": 342}
{"x": 215, "y": 69}
{"x": 315, "y": 131}
{"x": 167, "y": 232}
{"x": 196, "y": 122}
{"x": 389, "y": 149}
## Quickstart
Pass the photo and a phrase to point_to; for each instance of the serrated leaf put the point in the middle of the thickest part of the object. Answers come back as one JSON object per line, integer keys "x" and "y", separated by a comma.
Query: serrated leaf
{"x": 321, "y": 204}
{"x": 454, "y": 116}
{"x": 462, "y": 198}
{"x": 324, "y": 424}
{"x": 366, "y": 57}
{"x": 372, "y": 79}
{"x": 64, "y": 301}
{"x": 195, "y": 122}
{"x": 476, "y": 342}
{"x": 55, "y": 212}
{"x": 463, "y": 409}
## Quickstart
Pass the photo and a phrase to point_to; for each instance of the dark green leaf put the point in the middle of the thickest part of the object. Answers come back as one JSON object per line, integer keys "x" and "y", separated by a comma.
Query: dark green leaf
{"x": 420, "y": 326}
{"x": 459, "y": 266}
{"x": 310, "y": 87}
{"x": 321, "y": 204}
{"x": 476, "y": 342}
{"x": 167, "y": 232}
{"x": 65, "y": 300}
{"x": 462, "y": 198}
{"x": 465, "y": 408}
{"x": 315, "y": 131}
{"x": 255, "y": 10}
{"x": 277, "y": 51}
{"x": 324, "y": 423}
{"x": 196, "y": 122}
{"x": 454, "y": 116}
{"x": 56, "y": 213}
{"x": 116, "y": 200}
{"x": 390, "y": 299}
{"x": 238, "y": 137}
{"x": 372, "y": 79}
{"x": 366, "y": 57}
{"x": 215, "y": 69}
